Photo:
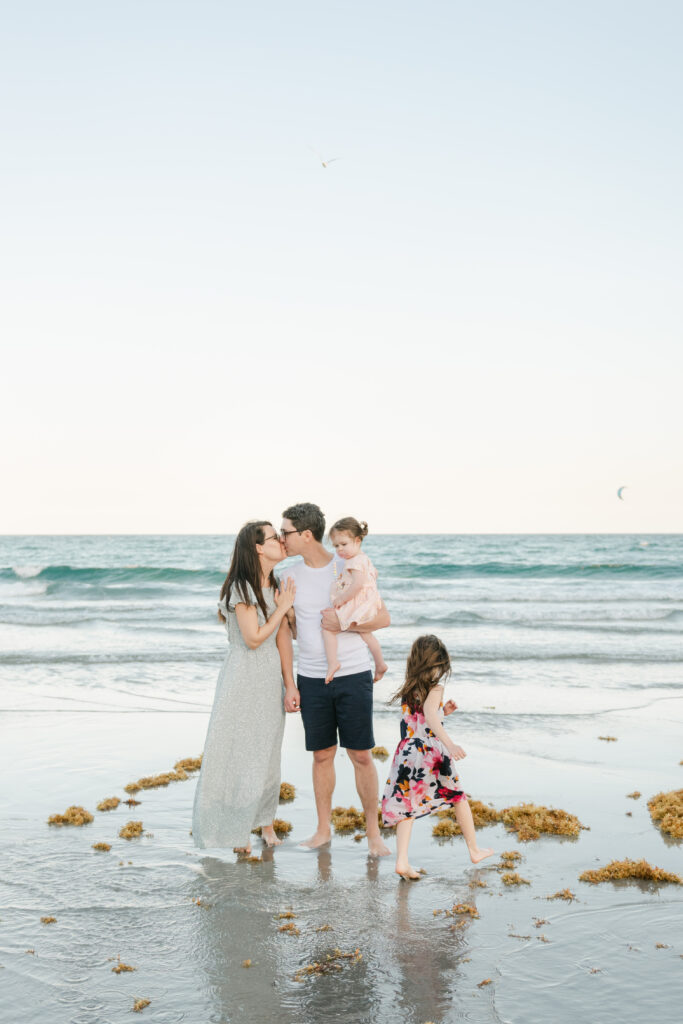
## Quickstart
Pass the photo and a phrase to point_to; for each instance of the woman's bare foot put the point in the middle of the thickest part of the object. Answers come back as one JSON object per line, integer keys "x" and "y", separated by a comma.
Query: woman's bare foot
{"x": 380, "y": 670}
{"x": 407, "y": 872}
{"x": 269, "y": 837}
{"x": 316, "y": 841}
{"x": 377, "y": 847}
{"x": 331, "y": 673}
{"x": 481, "y": 853}
{"x": 242, "y": 849}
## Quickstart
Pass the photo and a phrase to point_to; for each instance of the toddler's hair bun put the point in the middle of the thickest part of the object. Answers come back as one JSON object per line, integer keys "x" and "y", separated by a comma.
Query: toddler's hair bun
{"x": 363, "y": 527}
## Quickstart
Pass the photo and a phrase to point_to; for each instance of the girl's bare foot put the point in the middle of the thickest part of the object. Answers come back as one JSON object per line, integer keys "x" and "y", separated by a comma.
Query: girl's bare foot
{"x": 480, "y": 854}
{"x": 380, "y": 670}
{"x": 407, "y": 872}
{"x": 269, "y": 838}
{"x": 331, "y": 673}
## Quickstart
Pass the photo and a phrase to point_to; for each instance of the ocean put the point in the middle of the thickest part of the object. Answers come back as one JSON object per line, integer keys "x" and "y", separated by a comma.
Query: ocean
{"x": 109, "y": 652}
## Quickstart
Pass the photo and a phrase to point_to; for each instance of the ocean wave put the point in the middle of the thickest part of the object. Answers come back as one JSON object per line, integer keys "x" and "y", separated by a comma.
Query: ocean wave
{"x": 113, "y": 575}
{"x": 455, "y": 570}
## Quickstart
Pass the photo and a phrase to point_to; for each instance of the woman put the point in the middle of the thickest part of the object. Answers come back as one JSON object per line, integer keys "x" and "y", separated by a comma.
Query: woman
{"x": 239, "y": 784}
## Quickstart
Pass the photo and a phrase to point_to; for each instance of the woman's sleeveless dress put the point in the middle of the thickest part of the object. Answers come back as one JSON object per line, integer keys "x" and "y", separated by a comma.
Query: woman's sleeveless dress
{"x": 239, "y": 782}
{"x": 422, "y": 777}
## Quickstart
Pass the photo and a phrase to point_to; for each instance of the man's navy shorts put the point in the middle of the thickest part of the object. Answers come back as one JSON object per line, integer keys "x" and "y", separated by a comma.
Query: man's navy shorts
{"x": 344, "y": 706}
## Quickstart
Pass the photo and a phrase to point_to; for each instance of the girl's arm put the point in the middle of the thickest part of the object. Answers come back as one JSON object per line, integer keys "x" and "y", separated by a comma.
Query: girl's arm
{"x": 284, "y": 646}
{"x": 358, "y": 581}
{"x": 433, "y": 720}
{"x": 247, "y": 618}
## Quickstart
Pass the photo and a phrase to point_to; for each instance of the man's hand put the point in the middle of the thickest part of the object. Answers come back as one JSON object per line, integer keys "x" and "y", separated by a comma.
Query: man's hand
{"x": 292, "y": 699}
{"x": 330, "y": 621}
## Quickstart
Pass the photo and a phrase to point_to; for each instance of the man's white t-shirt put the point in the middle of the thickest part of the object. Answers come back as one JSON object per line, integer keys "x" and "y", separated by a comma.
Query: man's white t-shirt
{"x": 313, "y": 588}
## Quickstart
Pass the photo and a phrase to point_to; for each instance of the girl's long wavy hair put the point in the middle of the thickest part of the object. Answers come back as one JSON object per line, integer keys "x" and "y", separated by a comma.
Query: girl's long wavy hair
{"x": 428, "y": 663}
{"x": 245, "y": 566}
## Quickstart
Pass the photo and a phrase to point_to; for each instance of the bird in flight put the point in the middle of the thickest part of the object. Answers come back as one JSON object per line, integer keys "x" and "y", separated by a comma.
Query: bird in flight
{"x": 325, "y": 163}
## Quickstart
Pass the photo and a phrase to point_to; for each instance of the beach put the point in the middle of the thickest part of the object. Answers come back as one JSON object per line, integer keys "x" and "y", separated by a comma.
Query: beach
{"x": 109, "y": 658}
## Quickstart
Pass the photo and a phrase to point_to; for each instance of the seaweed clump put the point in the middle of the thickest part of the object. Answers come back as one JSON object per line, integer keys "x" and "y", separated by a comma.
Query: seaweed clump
{"x": 482, "y": 814}
{"x": 635, "y": 795}
{"x": 334, "y": 961}
{"x": 287, "y": 792}
{"x": 289, "y": 928}
{"x": 512, "y": 878}
{"x": 122, "y": 968}
{"x": 188, "y": 764}
{"x": 48, "y": 920}
{"x": 666, "y": 811}
{"x": 155, "y": 781}
{"x": 508, "y": 859}
{"x": 72, "y": 816}
{"x": 347, "y": 819}
{"x": 562, "y": 894}
{"x": 140, "y": 1004}
{"x": 621, "y": 870}
{"x": 101, "y": 846}
{"x": 380, "y": 753}
{"x": 131, "y": 830}
{"x": 280, "y": 827}
{"x": 530, "y": 820}
{"x": 608, "y": 739}
{"x": 110, "y": 804}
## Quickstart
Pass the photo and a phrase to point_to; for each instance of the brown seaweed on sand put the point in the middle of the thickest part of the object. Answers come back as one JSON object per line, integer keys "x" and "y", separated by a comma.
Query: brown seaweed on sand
{"x": 101, "y": 846}
{"x": 486, "y": 981}
{"x": 48, "y": 920}
{"x": 666, "y": 811}
{"x": 380, "y": 753}
{"x": 131, "y": 830}
{"x": 289, "y": 928}
{"x": 247, "y": 963}
{"x": 287, "y": 792}
{"x": 347, "y": 819}
{"x": 635, "y": 795}
{"x": 619, "y": 870}
{"x": 188, "y": 764}
{"x": 280, "y": 827}
{"x": 110, "y": 804}
{"x": 132, "y": 802}
{"x": 72, "y": 816}
{"x": 608, "y": 739}
{"x": 459, "y": 909}
{"x": 286, "y": 915}
{"x": 482, "y": 814}
{"x": 334, "y": 961}
{"x": 512, "y": 878}
{"x": 324, "y": 928}
{"x": 155, "y": 781}
{"x": 530, "y": 820}
{"x": 562, "y": 894}
{"x": 140, "y": 1004}
{"x": 122, "y": 968}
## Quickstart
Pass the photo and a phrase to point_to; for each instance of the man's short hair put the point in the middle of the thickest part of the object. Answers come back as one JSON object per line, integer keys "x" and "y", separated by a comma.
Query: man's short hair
{"x": 305, "y": 516}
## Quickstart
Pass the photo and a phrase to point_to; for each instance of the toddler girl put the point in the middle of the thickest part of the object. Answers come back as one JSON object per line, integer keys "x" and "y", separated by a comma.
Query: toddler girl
{"x": 354, "y": 596}
{"x": 422, "y": 776}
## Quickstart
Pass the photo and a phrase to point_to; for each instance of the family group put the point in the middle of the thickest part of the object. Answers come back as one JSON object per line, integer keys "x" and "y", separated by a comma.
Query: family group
{"x": 329, "y": 603}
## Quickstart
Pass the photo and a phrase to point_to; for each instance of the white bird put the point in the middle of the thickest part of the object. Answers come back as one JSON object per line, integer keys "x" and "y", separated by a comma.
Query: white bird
{"x": 325, "y": 163}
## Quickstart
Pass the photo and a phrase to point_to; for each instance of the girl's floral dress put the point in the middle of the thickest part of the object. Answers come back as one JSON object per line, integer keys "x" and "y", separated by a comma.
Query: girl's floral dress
{"x": 422, "y": 776}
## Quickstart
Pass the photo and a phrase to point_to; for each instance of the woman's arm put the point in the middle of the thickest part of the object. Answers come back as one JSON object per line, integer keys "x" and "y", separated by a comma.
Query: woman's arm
{"x": 433, "y": 720}
{"x": 247, "y": 617}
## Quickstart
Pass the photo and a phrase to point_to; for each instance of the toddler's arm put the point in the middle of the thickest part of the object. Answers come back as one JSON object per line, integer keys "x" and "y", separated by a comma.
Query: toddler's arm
{"x": 358, "y": 581}
{"x": 433, "y": 720}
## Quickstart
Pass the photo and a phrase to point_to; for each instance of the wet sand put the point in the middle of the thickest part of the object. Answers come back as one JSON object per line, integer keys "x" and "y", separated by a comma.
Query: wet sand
{"x": 614, "y": 954}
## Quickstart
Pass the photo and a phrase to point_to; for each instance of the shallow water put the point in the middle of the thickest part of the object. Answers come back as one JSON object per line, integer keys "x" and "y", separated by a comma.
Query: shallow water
{"x": 107, "y": 676}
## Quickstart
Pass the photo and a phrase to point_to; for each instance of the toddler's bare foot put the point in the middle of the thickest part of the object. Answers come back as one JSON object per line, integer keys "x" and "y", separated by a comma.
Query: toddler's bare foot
{"x": 316, "y": 841}
{"x": 377, "y": 847}
{"x": 480, "y": 854}
{"x": 380, "y": 670}
{"x": 331, "y": 673}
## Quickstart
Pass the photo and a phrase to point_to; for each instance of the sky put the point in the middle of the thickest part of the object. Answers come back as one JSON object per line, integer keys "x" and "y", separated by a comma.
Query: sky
{"x": 468, "y": 322}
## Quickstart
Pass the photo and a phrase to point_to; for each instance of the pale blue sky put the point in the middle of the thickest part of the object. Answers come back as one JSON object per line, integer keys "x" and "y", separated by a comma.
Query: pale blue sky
{"x": 470, "y": 322}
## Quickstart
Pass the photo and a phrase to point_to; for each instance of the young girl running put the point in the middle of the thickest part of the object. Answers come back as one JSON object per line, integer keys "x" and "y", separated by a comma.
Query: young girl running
{"x": 422, "y": 776}
{"x": 354, "y": 596}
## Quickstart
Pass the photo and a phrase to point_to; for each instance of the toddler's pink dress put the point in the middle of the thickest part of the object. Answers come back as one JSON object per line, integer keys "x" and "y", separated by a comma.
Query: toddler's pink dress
{"x": 367, "y": 603}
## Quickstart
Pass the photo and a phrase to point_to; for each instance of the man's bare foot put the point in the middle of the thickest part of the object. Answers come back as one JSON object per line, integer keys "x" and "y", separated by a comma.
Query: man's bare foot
{"x": 480, "y": 854}
{"x": 331, "y": 673}
{"x": 377, "y": 847}
{"x": 408, "y": 872}
{"x": 380, "y": 670}
{"x": 269, "y": 838}
{"x": 316, "y": 841}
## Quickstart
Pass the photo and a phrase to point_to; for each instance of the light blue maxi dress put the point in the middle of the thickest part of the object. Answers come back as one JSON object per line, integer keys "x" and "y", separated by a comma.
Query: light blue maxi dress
{"x": 239, "y": 782}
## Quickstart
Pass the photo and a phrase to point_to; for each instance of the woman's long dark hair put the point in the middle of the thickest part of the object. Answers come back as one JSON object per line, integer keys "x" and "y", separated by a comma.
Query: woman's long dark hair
{"x": 245, "y": 567}
{"x": 428, "y": 663}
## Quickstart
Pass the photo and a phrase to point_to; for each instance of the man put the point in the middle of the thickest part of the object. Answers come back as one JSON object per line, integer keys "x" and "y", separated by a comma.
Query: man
{"x": 342, "y": 707}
